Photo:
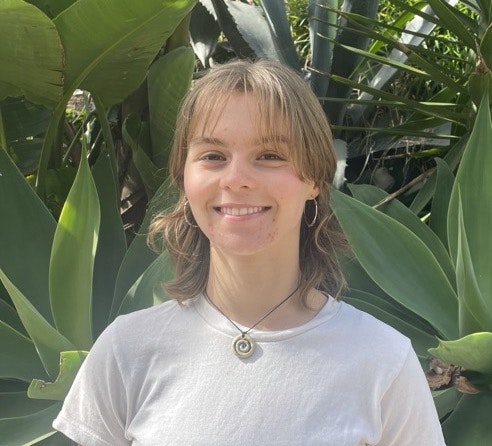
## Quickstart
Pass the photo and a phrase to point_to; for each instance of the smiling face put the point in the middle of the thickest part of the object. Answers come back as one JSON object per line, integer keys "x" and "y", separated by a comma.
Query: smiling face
{"x": 242, "y": 185}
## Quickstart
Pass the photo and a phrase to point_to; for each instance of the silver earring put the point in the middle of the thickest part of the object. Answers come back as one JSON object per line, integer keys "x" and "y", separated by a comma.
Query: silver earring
{"x": 313, "y": 221}
{"x": 188, "y": 222}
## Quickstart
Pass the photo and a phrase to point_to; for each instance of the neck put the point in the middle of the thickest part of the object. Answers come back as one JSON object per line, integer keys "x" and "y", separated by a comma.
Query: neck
{"x": 246, "y": 288}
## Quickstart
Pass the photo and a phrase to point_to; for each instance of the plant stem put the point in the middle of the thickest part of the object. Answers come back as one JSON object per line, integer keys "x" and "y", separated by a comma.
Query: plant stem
{"x": 3, "y": 136}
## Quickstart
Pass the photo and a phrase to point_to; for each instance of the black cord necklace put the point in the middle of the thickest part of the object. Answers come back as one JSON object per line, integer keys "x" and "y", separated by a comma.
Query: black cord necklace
{"x": 243, "y": 344}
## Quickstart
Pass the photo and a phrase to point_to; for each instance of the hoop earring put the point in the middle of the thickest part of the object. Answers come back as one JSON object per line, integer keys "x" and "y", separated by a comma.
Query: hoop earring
{"x": 188, "y": 222}
{"x": 313, "y": 221}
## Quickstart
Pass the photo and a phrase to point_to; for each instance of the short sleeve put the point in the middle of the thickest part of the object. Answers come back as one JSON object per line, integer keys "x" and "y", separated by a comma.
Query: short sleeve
{"x": 94, "y": 411}
{"x": 408, "y": 412}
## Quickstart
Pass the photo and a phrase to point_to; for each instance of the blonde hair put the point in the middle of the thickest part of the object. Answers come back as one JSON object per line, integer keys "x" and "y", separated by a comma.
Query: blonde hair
{"x": 281, "y": 94}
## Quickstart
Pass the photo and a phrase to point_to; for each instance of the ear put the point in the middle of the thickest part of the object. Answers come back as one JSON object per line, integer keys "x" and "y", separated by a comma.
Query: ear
{"x": 313, "y": 192}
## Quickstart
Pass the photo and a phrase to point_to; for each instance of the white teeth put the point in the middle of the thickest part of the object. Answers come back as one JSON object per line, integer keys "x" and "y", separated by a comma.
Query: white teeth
{"x": 241, "y": 211}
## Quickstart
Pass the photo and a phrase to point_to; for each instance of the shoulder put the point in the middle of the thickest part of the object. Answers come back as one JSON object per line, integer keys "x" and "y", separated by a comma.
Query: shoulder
{"x": 370, "y": 338}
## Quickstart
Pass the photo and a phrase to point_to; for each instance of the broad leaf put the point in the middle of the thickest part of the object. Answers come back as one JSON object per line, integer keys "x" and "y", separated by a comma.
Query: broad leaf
{"x": 469, "y": 424}
{"x": 18, "y": 356}
{"x": 49, "y": 343}
{"x": 31, "y": 55}
{"x": 399, "y": 262}
{"x": 109, "y": 45}
{"x": 474, "y": 178}
{"x": 475, "y": 314}
{"x": 27, "y": 229}
{"x": 168, "y": 81}
{"x": 473, "y": 352}
{"x": 72, "y": 260}
{"x": 111, "y": 245}
{"x": 440, "y": 201}
{"x": 70, "y": 363}
{"x": 142, "y": 293}
{"x": 18, "y": 404}
{"x": 29, "y": 429}
{"x": 372, "y": 196}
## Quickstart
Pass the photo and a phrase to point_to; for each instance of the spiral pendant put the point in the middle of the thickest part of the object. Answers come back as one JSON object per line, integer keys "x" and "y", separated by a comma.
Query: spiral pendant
{"x": 243, "y": 345}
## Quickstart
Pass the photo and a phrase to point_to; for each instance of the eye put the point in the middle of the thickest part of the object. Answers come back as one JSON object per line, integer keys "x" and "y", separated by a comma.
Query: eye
{"x": 271, "y": 156}
{"x": 212, "y": 156}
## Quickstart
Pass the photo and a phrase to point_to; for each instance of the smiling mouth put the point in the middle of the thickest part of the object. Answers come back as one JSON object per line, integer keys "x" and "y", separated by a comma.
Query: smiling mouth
{"x": 242, "y": 211}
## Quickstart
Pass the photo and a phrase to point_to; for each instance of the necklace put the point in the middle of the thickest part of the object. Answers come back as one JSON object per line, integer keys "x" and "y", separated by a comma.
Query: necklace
{"x": 243, "y": 344}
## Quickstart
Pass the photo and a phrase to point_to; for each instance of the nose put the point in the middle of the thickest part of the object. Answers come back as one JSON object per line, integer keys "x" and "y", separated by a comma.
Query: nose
{"x": 238, "y": 175}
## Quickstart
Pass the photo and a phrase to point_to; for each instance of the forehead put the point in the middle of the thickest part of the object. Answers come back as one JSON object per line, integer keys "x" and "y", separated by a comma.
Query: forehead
{"x": 238, "y": 109}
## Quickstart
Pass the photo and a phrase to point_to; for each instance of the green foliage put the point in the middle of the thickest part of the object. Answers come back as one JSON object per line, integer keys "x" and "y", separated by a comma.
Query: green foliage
{"x": 404, "y": 265}
{"x": 66, "y": 271}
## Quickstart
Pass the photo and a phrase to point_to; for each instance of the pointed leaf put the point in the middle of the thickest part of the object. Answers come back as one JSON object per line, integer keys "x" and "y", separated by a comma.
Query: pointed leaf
{"x": 31, "y": 54}
{"x": 18, "y": 404}
{"x": 72, "y": 260}
{"x": 49, "y": 343}
{"x": 204, "y": 33}
{"x": 440, "y": 201}
{"x": 445, "y": 401}
{"x": 135, "y": 134}
{"x": 475, "y": 177}
{"x": 27, "y": 235}
{"x": 29, "y": 429}
{"x": 475, "y": 314}
{"x": 168, "y": 81}
{"x": 70, "y": 363}
{"x": 278, "y": 22}
{"x": 18, "y": 356}
{"x": 473, "y": 352}
{"x": 469, "y": 424}
{"x": 399, "y": 262}
{"x": 111, "y": 245}
{"x": 142, "y": 293}
{"x": 109, "y": 45}
{"x": 372, "y": 196}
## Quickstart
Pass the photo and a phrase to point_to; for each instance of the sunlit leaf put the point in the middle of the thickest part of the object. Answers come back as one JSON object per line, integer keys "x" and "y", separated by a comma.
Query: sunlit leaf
{"x": 49, "y": 342}
{"x": 72, "y": 260}
{"x": 399, "y": 262}
{"x": 473, "y": 352}
{"x": 70, "y": 363}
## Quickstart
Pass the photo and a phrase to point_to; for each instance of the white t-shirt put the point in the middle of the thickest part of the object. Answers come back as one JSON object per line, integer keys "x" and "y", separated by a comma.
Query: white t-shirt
{"x": 167, "y": 375}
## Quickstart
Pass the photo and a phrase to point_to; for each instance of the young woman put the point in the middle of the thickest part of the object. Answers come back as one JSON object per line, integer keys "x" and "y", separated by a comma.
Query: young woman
{"x": 254, "y": 348}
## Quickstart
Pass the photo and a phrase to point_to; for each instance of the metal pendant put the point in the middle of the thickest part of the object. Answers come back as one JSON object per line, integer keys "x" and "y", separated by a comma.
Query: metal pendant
{"x": 243, "y": 345}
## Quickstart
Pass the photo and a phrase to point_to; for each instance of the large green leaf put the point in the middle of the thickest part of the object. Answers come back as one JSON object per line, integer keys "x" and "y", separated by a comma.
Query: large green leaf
{"x": 111, "y": 245}
{"x": 440, "y": 201}
{"x": 473, "y": 352}
{"x": 26, "y": 230}
{"x": 139, "y": 256}
{"x": 49, "y": 342}
{"x": 109, "y": 45}
{"x": 475, "y": 177}
{"x": 18, "y": 356}
{"x": 70, "y": 363}
{"x": 373, "y": 196}
{"x": 18, "y": 404}
{"x": 72, "y": 260}
{"x": 469, "y": 424}
{"x": 168, "y": 81}
{"x": 52, "y": 7}
{"x": 399, "y": 262}
{"x": 29, "y": 429}
{"x": 31, "y": 55}
{"x": 475, "y": 314}
{"x": 142, "y": 293}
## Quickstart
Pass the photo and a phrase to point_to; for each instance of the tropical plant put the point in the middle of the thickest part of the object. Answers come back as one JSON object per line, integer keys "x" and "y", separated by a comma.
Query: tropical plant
{"x": 433, "y": 280}
{"x": 65, "y": 265}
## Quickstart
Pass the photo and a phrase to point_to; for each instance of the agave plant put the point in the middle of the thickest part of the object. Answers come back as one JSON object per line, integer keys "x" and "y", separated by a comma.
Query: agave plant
{"x": 433, "y": 280}
{"x": 68, "y": 272}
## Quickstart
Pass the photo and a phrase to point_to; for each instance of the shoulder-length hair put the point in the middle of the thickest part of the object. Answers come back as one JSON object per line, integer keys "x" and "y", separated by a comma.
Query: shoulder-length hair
{"x": 282, "y": 95}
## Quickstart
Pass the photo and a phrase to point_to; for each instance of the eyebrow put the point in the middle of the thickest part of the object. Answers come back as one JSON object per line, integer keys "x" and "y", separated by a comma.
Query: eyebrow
{"x": 278, "y": 139}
